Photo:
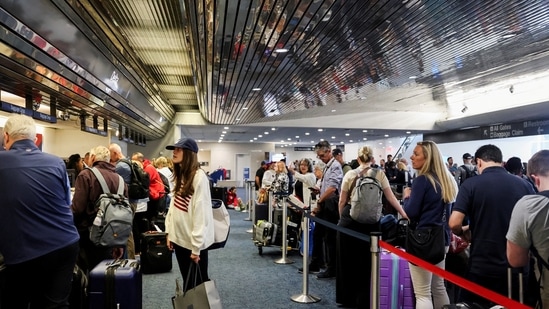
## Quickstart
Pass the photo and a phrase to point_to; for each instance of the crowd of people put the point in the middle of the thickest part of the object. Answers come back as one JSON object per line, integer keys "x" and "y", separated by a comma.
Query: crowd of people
{"x": 45, "y": 223}
{"x": 492, "y": 204}
{"x": 475, "y": 201}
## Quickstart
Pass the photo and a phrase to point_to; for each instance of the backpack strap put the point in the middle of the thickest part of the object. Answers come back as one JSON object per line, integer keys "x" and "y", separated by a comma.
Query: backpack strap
{"x": 103, "y": 183}
{"x": 132, "y": 171}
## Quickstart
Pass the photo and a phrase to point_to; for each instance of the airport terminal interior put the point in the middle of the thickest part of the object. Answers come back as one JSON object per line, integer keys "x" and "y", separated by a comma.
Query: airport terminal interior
{"x": 253, "y": 80}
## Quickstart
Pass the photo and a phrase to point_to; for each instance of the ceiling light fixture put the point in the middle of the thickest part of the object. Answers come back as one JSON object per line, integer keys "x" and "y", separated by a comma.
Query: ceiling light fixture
{"x": 281, "y": 50}
{"x": 320, "y": 130}
{"x": 256, "y": 89}
{"x": 307, "y": 133}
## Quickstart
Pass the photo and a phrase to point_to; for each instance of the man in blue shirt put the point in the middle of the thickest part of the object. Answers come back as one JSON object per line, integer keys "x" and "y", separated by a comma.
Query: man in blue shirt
{"x": 37, "y": 235}
{"x": 488, "y": 201}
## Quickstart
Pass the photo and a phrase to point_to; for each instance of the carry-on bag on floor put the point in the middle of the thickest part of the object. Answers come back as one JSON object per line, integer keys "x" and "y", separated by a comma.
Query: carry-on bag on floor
{"x": 264, "y": 233}
{"x": 395, "y": 282}
{"x": 78, "y": 298}
{"x": 261, "y": 211}
{"x": 156, "y": 257}
{"x": 116, "y": 284}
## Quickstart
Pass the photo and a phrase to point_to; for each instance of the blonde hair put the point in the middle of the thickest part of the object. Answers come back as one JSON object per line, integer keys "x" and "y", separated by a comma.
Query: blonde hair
{"x": 436, "y": 171}
{"x": 365, "y": 154}
{"x": 401, "y": 166}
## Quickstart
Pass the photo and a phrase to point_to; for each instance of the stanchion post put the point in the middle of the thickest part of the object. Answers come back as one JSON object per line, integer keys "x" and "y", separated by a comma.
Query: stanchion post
{"x": 305, "y": 297}
{"x": 284, "y": 259}
{"x": 374, "y": 249}
{"x": 249, "y": 196}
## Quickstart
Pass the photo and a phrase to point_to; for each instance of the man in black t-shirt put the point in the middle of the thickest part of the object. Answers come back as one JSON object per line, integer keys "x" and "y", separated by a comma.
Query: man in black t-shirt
{"x": 259, "y": 175}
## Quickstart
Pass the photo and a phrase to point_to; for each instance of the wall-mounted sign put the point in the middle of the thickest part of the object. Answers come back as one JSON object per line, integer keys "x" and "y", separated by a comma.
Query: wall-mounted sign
{"x": 304, "y": 148}
{"x": 16, "y": 109}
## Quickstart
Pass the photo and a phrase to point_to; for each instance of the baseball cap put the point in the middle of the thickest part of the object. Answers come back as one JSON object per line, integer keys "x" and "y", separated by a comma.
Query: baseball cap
{"x": 336, "y": 152}
{"x": 467, "y": 156}
{"x": 184, "y": 143}
{"x": 263, "y": 163}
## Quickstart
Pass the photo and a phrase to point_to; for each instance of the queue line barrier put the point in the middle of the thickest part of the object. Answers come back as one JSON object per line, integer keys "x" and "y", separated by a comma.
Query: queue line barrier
{"x": 376, "y": 242}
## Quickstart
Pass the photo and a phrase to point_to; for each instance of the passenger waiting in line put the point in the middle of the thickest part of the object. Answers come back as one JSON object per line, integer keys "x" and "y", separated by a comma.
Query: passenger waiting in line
{"x": 514, "y": 166}
{"x": 268, "y": 176}
{"x": 140, "y": 222}
{"x": 76, "y": 163}
{"x": 305, "y": 179}
{"x": 428, "y": 203}
{"x": 189, "y": 223}
{"x": 87, "y": 190}
{"x": 327, "y": 205}
{"x": 37, "y": 235}
{"x": 338, "y": 155}
{"x": 354, "y": 256}
{"x": 487, "y": 200}
{"x": 528, "y": 226}
{"x": 259, "y": 175}
{"x": 156, "y": 188}
{"x": 122, "y": 167}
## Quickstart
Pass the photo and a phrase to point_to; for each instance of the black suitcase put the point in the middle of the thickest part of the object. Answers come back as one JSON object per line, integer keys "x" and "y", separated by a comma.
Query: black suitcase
{"x": 78, "y": 298}
{"x": 220, "y": 193}
{"x": 156, "y": 257}
{"x": 261, "y": 211}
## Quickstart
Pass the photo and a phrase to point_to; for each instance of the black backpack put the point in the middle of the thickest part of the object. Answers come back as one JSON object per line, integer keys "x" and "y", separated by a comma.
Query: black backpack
{"x": 468, "y": 173}
{"x": 138, "y": 188}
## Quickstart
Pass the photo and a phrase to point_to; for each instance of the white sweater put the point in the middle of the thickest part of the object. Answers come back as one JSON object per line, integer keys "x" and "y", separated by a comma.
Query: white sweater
{"x": 189, "y": 222}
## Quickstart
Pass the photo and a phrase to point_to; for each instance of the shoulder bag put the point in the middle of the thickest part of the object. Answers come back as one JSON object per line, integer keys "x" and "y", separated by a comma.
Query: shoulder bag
{"x": 427, "y": 243}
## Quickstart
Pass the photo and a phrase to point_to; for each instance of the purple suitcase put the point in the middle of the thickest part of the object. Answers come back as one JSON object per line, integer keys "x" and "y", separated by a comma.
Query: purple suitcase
{"x": 395, "y": 283}
{"x": 116, "y": 284}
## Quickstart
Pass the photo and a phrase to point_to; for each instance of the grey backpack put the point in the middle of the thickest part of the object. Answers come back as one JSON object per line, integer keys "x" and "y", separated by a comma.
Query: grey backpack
{"x": 113, "y": 223}
{"x": 366, "y": 197}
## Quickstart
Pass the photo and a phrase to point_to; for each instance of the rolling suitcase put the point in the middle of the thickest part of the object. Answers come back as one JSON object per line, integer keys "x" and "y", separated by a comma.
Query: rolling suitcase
{"x": 395, "y": 282}
{"x": 116, "y": 284}
{"x": 261, "y": 211}
{"x": 156, "y": 257}
{"x": 265, "y": 233}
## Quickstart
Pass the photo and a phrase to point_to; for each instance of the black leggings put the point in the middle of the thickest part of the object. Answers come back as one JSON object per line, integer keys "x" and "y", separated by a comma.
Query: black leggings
{"x": 184, "y": 261}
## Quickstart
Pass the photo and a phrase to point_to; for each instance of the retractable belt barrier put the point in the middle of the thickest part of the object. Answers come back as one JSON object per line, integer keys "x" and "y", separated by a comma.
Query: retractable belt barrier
{"x": 466, "y": 284}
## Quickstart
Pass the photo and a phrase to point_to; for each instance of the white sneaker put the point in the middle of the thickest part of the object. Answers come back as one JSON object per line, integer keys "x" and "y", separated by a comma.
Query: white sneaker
{"x": 237, "y": 208}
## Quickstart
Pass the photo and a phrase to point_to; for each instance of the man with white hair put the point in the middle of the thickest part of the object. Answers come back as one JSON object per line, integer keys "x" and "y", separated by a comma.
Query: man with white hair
{"x": 87, "y": 190}
{"x": 37, "y": 234}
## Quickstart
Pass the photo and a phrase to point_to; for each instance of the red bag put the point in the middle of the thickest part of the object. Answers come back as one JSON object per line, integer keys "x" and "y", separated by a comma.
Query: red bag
{"x": 457, "y": 244}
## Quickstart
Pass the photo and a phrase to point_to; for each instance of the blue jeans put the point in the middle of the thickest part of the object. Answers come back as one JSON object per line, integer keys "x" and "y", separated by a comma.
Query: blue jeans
{"x": 44, "y": 282}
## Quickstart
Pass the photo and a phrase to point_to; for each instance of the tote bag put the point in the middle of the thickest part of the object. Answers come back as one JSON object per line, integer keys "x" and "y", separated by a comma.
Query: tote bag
{"x": 202, "y": 296}
{"x": 222, "y": 224}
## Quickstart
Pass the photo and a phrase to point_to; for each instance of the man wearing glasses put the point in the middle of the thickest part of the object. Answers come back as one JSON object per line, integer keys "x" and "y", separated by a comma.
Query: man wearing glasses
{"x": 328, "y": 205}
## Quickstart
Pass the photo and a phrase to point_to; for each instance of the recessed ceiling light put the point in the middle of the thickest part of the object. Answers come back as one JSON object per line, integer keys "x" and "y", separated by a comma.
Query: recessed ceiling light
{"x": 223, "y": 132}
{"x": 307, "y": 133}
{"x": 320, "y": 130}
{"x": 350, "y": 141}
{"x": 408, "y": 132}
{"x": 386, "y": 135}
{"x": 347, "y": 134}
{"x": 333, "y": 137}
{"x": 297, "y": 136}
{"x": 266, "y": 132}
{"x": 252, "y": 140}
{"x": 281, "y": 50}
{"x": 282, "y": 141}
{"x": 289, "y": 138}
{"x": 364, "y": 138}
{"x": 365, "y": 131}
{"x": 226, "y": 128}
{"x": 256, "y": 89}
{"x": 312, "y": 142}
{"x": 273, "y": 129}
{"x": 237, "y": 119}
{"x": 260, "y": 135}
{"x": 255, "y": 138}
{"x": 244, "y": 108}
{"x": 333, "y": 110}
{"x": 412, "y": 77}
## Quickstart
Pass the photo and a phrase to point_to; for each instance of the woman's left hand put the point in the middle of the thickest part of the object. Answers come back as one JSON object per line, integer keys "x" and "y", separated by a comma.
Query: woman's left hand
{"x": 195, "y": 258}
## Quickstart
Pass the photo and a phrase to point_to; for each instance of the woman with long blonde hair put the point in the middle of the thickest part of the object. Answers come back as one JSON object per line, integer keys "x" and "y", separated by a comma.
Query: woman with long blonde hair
{"x": 428, "y": 203}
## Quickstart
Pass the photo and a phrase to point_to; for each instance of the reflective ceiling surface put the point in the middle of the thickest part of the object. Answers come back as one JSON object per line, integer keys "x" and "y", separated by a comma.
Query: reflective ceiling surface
{"x": 388, "y": 67}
